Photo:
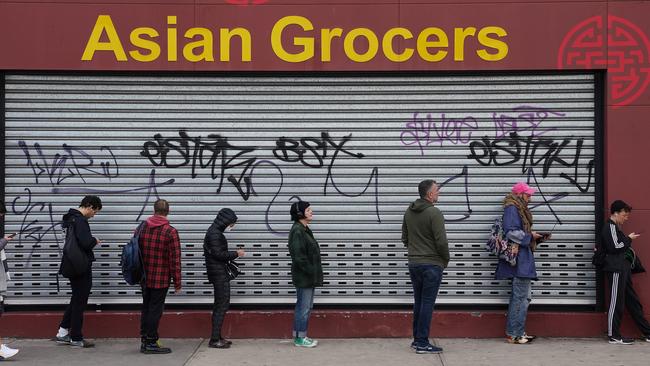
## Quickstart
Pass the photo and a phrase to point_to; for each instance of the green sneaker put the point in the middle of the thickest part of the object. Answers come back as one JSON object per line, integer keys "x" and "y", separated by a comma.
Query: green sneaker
{"x": 305, "y": 342}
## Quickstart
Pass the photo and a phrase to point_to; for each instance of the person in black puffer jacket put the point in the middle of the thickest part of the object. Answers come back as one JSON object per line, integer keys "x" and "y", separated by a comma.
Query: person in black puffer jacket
{"x": 215, "y": 250}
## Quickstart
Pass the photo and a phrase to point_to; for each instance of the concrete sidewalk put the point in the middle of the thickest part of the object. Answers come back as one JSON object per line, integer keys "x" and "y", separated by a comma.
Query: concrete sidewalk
{"x": 336, "y": 352}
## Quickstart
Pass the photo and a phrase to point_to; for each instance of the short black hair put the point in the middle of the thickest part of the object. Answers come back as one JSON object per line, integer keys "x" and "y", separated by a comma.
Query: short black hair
{"x": 297, "y": 210}
{"x": 618, "y": 206}
{"x": 425, "y": 186}
{"x": 161, "y": 207}
{"x": 93, "y": 202}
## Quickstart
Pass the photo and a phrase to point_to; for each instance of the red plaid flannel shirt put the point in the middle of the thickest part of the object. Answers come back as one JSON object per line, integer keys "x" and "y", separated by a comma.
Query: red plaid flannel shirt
{"x": 161, "y": 253}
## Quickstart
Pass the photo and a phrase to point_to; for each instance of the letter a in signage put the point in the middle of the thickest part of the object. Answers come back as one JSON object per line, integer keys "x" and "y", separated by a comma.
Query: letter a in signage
{"x": 103, "y": 24}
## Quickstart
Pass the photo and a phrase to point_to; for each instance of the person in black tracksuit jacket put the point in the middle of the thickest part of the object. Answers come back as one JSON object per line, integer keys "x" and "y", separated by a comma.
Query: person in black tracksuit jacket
{"x": 616, "y": 243}
{"x": 215, "y": 250}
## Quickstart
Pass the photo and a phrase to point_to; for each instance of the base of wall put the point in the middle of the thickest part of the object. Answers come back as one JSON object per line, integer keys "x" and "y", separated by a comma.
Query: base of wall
{"x": 323, "y": 324}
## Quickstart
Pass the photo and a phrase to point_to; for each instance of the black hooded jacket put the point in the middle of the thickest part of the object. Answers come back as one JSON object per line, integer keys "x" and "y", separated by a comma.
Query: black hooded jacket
{"x": 215, "y": 246}
{"x": 82, "y": 231}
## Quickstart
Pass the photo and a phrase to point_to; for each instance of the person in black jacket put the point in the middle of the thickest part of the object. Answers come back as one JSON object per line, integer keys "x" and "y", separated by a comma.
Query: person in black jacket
{"x": 70, "y": 327}
{"x": 215, "y": 250}
{"x": 616, "y": 243}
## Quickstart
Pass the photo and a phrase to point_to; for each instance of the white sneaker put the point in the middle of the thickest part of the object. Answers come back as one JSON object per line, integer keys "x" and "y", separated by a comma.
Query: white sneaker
{"x": 62, "y": 332}
{"x": 6, "y": 352}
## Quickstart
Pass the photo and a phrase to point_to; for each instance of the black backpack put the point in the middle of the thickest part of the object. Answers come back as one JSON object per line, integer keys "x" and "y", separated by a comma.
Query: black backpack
{"x": 598, "y": 259}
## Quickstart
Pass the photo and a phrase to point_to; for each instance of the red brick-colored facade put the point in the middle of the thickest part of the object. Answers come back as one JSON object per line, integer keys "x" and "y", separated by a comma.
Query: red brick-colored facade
{"x": 541, "y": 36}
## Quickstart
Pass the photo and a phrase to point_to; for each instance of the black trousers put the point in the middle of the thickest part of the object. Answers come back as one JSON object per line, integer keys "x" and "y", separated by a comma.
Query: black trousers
{"x": 220, "y": 307}
{"x": 73, "y": 318}
{"x": 623, "y": 295}
{"x": 153, "y": 304}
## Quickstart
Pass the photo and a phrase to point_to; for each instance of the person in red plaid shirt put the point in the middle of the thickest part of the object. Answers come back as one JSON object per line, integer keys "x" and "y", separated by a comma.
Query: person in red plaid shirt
{"x": 161, "y": 254}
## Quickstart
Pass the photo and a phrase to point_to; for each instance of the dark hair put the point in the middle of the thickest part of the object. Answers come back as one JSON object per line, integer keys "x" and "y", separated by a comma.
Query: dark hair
{"x": 91, "y": 201}
{"x": 161, "y": 207}
{"x": 227, "y": 216}
{"x": 3, "y": 208}
{"x": 297, "y": 210}
{"x": 618, "y": 206}
{"x": 425, "y": 186}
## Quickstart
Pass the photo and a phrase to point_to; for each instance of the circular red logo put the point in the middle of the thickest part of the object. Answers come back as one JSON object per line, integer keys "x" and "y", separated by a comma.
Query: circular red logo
{"x": 621, "y": 48}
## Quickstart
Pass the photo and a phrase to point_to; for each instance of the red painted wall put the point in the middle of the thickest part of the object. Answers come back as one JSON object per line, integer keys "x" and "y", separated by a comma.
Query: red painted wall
{"x": 547, "y": 35}
{"x": 322, "y": 324}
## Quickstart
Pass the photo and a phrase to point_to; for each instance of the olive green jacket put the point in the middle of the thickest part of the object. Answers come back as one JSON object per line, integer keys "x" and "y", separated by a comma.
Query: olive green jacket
{"x": 306, "y": 267}
{"x": 424, "y": 234}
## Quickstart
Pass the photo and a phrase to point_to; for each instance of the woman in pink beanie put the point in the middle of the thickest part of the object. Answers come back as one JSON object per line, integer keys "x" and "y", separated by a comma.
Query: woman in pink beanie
{"x": 517, "y": 227}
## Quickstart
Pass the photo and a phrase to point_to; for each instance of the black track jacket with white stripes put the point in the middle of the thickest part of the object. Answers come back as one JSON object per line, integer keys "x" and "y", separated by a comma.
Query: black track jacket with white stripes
{"x": 615, "y": 243}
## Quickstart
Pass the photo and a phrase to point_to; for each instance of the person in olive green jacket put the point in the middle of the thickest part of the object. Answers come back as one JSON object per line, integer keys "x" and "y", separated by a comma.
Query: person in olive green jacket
{"x": 424, "y": 235}
{"x": 306, "y": 270}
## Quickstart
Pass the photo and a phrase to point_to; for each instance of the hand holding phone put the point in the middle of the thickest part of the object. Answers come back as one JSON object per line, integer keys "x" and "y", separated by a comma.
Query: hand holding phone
{"x": 12, "y": 235}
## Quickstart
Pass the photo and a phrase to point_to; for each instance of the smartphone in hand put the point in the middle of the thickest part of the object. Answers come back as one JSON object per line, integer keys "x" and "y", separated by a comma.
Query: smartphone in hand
{"x": 12, "y": 235}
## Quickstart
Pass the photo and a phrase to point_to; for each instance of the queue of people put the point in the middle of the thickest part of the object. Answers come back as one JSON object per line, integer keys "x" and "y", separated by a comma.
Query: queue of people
{"x": 423, "y": 234}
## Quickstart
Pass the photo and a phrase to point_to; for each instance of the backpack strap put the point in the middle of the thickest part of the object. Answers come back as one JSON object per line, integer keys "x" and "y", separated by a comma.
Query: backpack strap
{"x": 139, "y": 229}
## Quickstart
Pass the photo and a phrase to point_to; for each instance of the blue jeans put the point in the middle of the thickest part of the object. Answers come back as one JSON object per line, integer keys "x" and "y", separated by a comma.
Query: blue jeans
{"x": 304, "y": 304}
{"x": 518, "y": 309}
{"x": 426, "y": 279}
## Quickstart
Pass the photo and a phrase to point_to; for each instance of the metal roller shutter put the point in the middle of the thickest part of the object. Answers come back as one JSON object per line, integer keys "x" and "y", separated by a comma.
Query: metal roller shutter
{"x": 355, "y": 147}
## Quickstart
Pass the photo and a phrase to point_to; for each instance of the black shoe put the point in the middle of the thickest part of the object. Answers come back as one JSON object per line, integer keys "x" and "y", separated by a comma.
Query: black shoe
{"x": 225, "y": 341}
{"x": 621, "y": 340}
{"x": 154, "y": 348}
{"x": 430, "y": 348}
{"x": 82, "y": 344}
{"x": 221, "y": 343}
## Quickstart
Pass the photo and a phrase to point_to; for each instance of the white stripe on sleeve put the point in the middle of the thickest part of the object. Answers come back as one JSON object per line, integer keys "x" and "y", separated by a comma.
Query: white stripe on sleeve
{"x": 617, "y": 244}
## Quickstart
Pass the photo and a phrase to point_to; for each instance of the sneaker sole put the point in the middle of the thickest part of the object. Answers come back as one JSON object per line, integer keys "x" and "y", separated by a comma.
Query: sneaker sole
{"x": 304, "y": 346}
{"x": 2, "y": 358}
{"x": 621, "y": 342}
{"x": 427, "y": 352}
{"x": 80, "y": 346}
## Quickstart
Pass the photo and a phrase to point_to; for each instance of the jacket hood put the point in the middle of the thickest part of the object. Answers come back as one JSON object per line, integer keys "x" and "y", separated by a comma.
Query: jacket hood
{"x": 420, "y": 205}
{"x": 157, "y": 220}
{"x": 225, "y": 218}
{"x": 72, "y": 214}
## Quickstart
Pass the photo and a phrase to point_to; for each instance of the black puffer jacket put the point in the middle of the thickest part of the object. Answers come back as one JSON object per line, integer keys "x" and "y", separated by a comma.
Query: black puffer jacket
{"x": 215, "y": 246}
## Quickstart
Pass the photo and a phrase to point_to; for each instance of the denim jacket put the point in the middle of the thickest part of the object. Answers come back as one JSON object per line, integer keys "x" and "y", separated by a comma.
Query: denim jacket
{"x": 514, "y": 229}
